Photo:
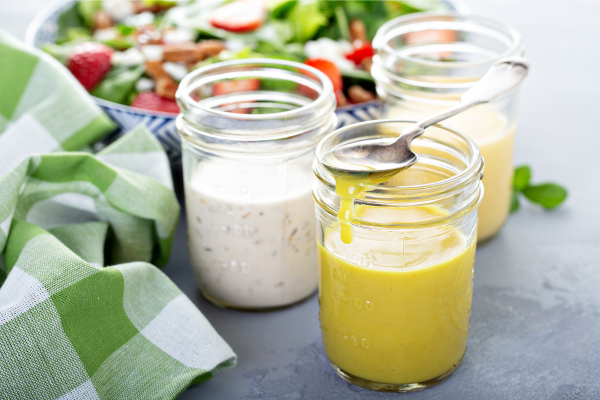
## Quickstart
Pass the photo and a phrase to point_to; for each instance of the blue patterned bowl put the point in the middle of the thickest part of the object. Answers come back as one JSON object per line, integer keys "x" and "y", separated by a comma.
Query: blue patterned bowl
{"x": 44, "y": 29}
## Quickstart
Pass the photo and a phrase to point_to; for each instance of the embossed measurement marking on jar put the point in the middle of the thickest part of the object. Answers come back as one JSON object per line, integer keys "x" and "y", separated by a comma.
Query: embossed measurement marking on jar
{"x": 234, "y": 266}
{"x": 355, "y": 302}
{"x": 363, "y": 262}
{"x": 220, "y": 208}
{"x": 355, "y": 340}
{"x": 238, "y": 230}
{"x": 242, "y": 191}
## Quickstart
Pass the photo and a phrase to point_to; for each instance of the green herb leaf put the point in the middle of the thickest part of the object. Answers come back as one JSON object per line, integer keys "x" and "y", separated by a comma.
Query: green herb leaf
{"x": 522, "y": 177}
{"x": 125, "y": 30}
{"x": 119, "y": 43}
{"x": 514, "y": 202}
{"x": 548, "y": 195}
{"x": 118, "y": 84}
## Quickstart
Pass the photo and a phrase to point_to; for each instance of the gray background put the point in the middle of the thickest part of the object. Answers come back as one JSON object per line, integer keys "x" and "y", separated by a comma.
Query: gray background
{"x": 535, "y": 331}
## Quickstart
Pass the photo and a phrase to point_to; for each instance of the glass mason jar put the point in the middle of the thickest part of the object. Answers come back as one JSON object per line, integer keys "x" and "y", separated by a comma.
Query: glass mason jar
{"x": 425, "y": 62}
{"x": 249, "y": 129}
{"x": 395, "y": 303}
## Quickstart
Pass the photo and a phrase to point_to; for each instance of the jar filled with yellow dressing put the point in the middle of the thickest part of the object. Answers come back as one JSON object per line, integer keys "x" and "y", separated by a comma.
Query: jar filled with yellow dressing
{"x": 425, "y": 62}
{"x": 396, "y": 260}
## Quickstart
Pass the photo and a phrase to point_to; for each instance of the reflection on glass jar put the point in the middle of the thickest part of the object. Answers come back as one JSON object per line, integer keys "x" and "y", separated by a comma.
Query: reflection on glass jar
{"x": 395, "y": 303}
{"x": 425, "y": 62}
{"x": 249, "y": 130}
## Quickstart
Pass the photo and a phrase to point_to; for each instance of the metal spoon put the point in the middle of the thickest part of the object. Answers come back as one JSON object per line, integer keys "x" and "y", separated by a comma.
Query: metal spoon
{"x": 372, "y": 156}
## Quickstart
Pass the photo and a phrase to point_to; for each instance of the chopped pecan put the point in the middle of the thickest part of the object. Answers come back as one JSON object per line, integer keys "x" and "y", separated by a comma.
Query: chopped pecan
{"x": 341, "y": 98}
{"x": 210, "y": 48}
{"x": 155, "y": 70}
{"x": 358, "y": 31}
{"x": 359, "y": 95}
{"x": 102, "y": 20}
{"x": 186, "y": 52}
{"x": 147, "y": 34}
{"x": 166, "y": 87}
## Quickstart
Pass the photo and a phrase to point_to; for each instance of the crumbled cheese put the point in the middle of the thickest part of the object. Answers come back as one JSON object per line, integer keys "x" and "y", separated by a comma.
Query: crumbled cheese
{"x": 144, "y": 85}
{"x": 128, "y": 58}
{"x": 235, "y": 44}
{"x": 331, "y": 50}
{"x": 145, "y": 18}
{"x": 178, "y": 35}
{"x": 153, "y": 52}
{"x": 103, "y": 35}
{"x": 118, "y": 9}
{"x": 177, "y": 71}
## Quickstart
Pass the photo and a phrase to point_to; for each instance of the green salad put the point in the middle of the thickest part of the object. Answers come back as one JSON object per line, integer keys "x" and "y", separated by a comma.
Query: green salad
{"x": 136, "y": 52}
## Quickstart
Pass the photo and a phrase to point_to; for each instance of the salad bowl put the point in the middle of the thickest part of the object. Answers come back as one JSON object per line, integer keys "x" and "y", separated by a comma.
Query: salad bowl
{"x": 45, "y": 30}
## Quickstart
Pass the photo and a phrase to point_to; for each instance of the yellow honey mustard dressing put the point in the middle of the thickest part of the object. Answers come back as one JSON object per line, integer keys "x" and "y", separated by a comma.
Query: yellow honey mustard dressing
{"x": 348, "y": 187}
{"x": 406, "y": 322}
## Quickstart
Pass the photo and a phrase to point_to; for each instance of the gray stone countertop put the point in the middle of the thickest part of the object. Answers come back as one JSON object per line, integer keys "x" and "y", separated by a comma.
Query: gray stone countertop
{"x": 535, "y": 331}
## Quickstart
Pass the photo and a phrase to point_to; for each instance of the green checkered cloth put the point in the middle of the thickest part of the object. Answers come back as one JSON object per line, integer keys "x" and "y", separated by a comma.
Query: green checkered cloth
{"x": 71, "y": 328}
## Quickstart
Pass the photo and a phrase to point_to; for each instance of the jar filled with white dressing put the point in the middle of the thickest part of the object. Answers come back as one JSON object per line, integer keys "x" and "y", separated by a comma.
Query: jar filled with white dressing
{"x": 249, "y": 130}
{"x": 424, "y": 62}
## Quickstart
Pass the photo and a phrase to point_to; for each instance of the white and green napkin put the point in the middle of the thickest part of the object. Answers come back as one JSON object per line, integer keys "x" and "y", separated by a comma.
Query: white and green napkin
{"x": 71, "y": 328}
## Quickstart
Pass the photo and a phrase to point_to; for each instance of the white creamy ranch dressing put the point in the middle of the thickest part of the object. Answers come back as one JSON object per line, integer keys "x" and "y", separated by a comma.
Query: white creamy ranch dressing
{"x": 251, "y": 233}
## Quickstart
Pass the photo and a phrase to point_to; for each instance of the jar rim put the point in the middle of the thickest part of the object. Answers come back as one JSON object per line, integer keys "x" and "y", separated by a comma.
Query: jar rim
{"x": 472, "y": 170}
{"x": 183, "y": 93}
{"x": 381, "y": 39}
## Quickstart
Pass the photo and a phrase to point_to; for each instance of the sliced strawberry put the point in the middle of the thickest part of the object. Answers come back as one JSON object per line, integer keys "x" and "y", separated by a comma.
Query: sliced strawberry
{"x": 153, "y": 102}
{"x": 238, "y": 16}
{"x": 329, "y": 69}
{"x": 229, "y": 87}
{"x": 360, "y": 52}
{"x": 89, "y": 62}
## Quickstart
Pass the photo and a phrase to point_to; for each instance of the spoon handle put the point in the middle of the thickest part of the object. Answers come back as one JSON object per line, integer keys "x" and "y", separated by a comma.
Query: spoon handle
{"x": 450, "y": 112}
{"x": 412, "y": 132}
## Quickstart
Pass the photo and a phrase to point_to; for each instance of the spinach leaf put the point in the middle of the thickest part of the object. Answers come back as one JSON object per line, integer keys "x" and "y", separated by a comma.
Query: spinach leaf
{"x": 87, "y": 9}
{"x": 118, "y": 84}
{"x": 306, "y": 18}
{"x": 69, "y": 19}
{"x": 280, "y": 8}
{"x": 548, "y": 195}
{"x": 342, "y": 23}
